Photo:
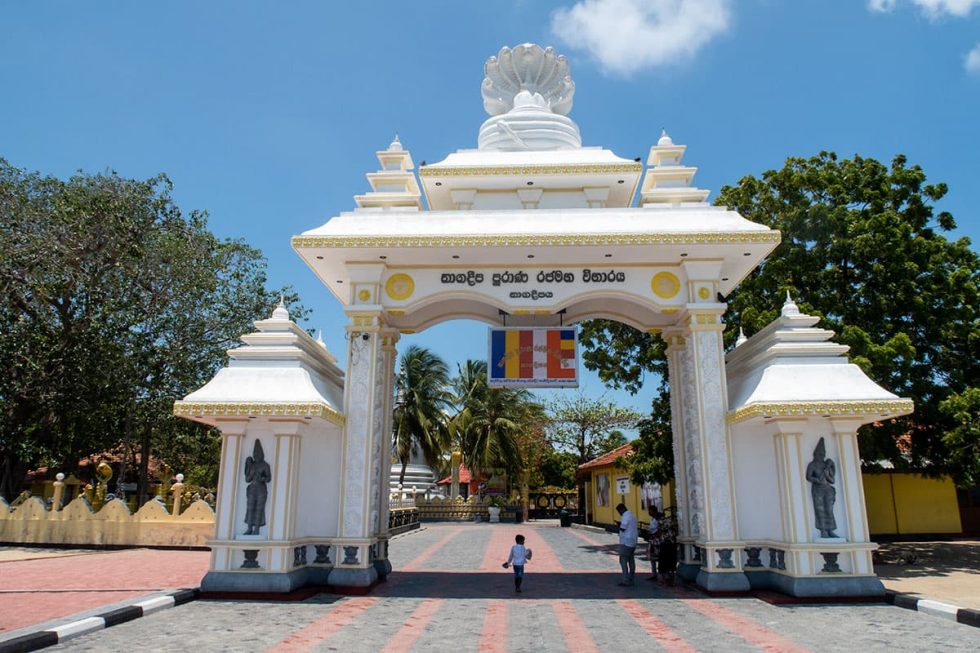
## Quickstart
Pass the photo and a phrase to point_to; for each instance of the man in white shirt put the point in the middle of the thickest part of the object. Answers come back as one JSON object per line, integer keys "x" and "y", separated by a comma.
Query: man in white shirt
{"x": 627, "y": 545}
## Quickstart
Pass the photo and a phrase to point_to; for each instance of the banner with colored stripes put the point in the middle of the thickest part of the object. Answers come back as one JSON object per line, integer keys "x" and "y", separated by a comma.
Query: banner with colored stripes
{"x": 533, "y": 358}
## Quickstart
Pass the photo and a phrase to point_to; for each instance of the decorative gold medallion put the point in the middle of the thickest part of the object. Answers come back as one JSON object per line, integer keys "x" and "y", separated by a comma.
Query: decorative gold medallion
{"x": 400, "y": 286}
{"x": 704, "y": 293}
{"x": 665, "y": 284}
{"x": 364, "y": 295}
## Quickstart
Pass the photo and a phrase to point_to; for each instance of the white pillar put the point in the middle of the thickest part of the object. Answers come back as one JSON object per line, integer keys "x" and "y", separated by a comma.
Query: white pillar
{"x": 707, "y": 449}
{"x": 366, "y": 448}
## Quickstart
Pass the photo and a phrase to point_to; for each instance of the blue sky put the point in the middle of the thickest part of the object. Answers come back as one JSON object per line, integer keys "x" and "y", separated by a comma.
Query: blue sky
{"x": 268, "y": 114}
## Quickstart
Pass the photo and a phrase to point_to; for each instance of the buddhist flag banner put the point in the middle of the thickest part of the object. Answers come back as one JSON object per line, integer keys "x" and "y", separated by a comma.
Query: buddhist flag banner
{"x": 533, "y": 358}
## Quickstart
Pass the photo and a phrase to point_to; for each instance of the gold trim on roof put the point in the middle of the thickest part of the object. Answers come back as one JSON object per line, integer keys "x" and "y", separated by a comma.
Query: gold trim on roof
{"x": 193, "y": 409}
{"x": 509, "y": 171}
{"x": 885, "y": 407}
{"x": 540, "y": 240}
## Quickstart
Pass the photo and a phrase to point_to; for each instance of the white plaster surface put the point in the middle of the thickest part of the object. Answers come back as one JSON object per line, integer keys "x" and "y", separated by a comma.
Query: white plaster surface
{"x": 563, "y": 222}
{"x": 284, "y": 382}
{"x": 795, "y": 380}
{"x": 756, "y": 486}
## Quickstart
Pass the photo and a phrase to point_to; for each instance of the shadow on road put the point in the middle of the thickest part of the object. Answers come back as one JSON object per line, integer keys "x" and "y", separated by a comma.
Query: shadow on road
{"x": 927, "y": 559}
{"x": 497, "y": 585}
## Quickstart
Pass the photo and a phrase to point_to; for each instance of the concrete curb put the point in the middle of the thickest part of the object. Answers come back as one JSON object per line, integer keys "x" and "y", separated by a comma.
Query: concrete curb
{"x": 919, "y": 603}
{"x": 72, "y": 629}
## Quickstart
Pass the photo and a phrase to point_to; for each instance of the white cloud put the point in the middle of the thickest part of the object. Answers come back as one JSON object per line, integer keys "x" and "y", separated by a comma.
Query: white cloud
{"x": 629, "y": 35}
{"x": 931, "y": 8}
{"x": 881, "y": 5}
{"x": 972, "y": 62}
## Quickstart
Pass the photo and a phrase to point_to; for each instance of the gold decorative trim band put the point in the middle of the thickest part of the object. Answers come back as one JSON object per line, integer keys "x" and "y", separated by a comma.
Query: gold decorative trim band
{"x": 884, "y": 407}
{"x": 510, "y": 171}
{"x": 192, "y": 409}
{"x": 540, "y": 240}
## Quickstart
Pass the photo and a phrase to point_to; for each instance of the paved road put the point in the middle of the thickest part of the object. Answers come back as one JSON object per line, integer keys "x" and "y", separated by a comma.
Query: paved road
{"x": 450, "y": 594}
{"x": 39, "y": 586}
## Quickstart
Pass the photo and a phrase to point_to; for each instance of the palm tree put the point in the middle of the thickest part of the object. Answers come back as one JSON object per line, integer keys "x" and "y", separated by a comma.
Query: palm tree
{"x": 490, "y": 419}
{"x": 421, "y": 412}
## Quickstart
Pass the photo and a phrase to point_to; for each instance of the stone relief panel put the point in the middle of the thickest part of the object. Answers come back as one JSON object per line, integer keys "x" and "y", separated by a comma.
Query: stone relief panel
{"x": 350, "y": 555}
{"x": 356, "y": 431}
{"x": 251, "y": 560}
{"x": 677, "y": 422}
{"x": 377, "y": 431}
{"x": 322, "y": 554}
{"x": 692, "y": 448}
{"x": 716, "y": 437}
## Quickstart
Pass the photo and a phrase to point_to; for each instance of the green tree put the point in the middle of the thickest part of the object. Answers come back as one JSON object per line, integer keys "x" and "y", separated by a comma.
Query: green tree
{"x": 963, "y": 439}
{"x": 491, "y": 420}
{"x": 862, "y": 248}
{"x": 586, "y": 426}
{"x": 557, "y": 469}
{"x": 422, "y": 407}
{"x": 114, "y": 303}
{"x": 581, "y": 424}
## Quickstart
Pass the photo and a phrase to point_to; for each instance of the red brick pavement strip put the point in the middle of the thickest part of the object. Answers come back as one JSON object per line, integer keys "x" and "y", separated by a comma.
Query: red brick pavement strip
{"x": 667, "y": 638}
{"x": 314, "y": 634}
{"x": 493, "y": 638}
{"x": 748, "y": 630}
{"x": 543, "y": 559}
{"x": 51, "y": 588}
{"x": 498, "y": 547}
{"x": 413, "y": 628}
{"x": 577, "y": 636}
{"x": 431, "y": 550}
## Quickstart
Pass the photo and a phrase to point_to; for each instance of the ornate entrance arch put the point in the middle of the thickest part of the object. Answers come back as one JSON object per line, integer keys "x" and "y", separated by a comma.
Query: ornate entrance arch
{"x": 530, "y": 227}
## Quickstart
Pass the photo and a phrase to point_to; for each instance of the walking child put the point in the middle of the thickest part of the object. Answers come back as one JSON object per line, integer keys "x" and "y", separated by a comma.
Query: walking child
{"x": 519, "y": 555}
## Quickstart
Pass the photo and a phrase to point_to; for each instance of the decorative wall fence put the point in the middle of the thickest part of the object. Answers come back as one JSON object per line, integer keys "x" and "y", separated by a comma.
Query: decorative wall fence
{"x": 33, "y": 521}
{"x": 90, "y": 520}
{"x": 402, "y": 518}
{"x": 459, "y": 509}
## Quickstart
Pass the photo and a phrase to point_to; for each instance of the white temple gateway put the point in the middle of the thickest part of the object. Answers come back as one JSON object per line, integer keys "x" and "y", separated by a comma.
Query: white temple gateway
{"x": 769, "y": 490}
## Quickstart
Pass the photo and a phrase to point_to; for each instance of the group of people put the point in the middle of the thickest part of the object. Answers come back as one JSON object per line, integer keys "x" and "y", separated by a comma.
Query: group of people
{"x": 661, "y": 537}
{"x": 662, "y": 546}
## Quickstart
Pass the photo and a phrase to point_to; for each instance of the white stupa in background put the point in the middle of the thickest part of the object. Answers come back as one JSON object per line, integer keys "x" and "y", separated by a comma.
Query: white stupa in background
{"x": 419, "y": 478}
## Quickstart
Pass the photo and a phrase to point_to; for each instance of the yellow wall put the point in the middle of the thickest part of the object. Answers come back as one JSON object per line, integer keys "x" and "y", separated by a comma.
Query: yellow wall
{"x": 924, "y": 505}
{"x": 909, "y": 503}
{"x": 607, "y": 514}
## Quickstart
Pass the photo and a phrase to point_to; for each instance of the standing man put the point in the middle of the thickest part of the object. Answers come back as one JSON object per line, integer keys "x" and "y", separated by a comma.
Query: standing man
{"x": 627, "y": 545}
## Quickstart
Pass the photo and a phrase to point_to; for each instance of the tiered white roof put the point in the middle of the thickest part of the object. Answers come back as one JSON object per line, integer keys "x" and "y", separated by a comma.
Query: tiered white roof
{"x": 394, "y": 185}
{"x": 281, "y": 369}
{"x": 791, "y": 368}
{"x": 667, "y": 181}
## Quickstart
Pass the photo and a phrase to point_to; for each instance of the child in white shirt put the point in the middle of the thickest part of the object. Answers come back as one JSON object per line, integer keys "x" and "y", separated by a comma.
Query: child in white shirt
{"x": 519, "y": 555}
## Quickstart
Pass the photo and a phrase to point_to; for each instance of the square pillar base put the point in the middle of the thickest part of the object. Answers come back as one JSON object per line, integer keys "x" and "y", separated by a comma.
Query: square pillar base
{"x": 719, "y": 581}
{"x": 357, "y": 577}
{"x": 824, "y": 586}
